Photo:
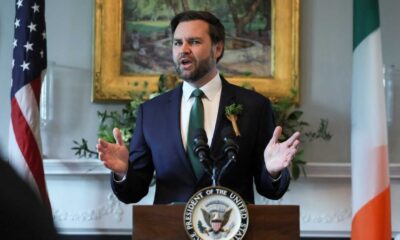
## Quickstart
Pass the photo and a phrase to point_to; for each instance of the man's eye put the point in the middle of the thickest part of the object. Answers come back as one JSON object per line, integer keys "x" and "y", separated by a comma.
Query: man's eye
{"x": 177, "y": 43}
{"x": 194, "y": 42}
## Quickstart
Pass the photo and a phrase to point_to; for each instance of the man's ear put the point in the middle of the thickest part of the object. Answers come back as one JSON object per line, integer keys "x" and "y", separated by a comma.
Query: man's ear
{"x": 218, "y": 49}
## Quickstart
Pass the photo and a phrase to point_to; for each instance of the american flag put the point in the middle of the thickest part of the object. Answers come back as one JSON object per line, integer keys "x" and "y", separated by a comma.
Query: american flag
{"x": 28, "y": 67}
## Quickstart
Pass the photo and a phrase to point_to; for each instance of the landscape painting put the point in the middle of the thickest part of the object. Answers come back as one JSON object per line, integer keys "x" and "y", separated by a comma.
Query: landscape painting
{"x": 147, "y": 37}
{"x": 132, "y": 44}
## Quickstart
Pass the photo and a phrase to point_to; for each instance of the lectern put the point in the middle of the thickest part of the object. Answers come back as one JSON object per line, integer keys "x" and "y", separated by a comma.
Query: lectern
{"x": 265, "y": 222}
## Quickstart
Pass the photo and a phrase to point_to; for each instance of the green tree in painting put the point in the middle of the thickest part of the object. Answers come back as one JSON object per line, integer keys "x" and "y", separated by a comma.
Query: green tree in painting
{"x": 147, "y": 45}
{"x": 243, "y": 12}
{"x": 240, "y": 12}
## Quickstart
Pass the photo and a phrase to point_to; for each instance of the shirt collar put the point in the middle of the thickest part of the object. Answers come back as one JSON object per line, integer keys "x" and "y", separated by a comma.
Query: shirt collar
{"x": 210, "y": 89}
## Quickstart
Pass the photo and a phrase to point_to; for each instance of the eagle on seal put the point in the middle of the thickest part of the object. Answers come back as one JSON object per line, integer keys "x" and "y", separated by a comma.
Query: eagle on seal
{"x": 216, "y": 220}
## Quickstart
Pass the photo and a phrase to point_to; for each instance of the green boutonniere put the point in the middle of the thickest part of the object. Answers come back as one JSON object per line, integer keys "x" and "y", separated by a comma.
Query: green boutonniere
{"x": 232, "y": 112}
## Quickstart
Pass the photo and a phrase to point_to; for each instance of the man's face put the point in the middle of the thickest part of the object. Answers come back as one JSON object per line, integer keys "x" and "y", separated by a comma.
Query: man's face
{"x": 193, "y": 53}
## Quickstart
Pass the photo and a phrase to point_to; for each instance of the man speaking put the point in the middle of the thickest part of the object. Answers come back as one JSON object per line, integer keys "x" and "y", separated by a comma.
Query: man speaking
{"x": 163, "y": 139}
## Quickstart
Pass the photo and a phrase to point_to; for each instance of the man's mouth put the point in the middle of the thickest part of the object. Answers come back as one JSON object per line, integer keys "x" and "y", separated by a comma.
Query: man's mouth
{"x": 186, "y": 63}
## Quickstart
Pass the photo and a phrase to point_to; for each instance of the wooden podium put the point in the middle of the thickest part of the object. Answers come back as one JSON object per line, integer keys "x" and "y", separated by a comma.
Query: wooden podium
{"x": 266, "y": 222}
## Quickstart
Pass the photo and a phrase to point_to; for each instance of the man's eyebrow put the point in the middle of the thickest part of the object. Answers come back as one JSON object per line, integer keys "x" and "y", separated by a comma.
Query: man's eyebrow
{"x": 187, "y": 39}
{"x": 194, "y": 38}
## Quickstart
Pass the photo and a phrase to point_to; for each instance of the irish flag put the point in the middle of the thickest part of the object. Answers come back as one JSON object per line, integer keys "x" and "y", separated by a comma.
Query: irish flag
{"x": 369, "y": 144}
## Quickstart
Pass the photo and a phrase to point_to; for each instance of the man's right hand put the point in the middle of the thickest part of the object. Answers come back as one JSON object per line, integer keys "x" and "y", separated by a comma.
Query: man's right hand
{"x": 114, "y": 156}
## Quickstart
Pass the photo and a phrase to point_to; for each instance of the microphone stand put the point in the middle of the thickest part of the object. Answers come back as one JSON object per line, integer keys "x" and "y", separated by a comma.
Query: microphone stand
{"x": 214, "y": 173}
{"x": 225, "y": 167}
{"x": 212, "y": 170}
{"x": 202, "y": 150}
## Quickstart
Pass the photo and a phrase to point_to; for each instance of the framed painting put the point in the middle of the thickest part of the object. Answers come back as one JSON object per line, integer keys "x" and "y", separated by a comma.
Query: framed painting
{"x": 133, "y": 44}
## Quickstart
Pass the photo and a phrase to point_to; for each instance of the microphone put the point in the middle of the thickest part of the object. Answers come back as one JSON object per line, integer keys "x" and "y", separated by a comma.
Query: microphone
{"x": 200, "y": 146}
{"x": 231, "y": 149}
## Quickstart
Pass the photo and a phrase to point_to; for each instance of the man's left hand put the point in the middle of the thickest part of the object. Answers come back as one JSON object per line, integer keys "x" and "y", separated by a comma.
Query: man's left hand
{"x": 278, "y": 156}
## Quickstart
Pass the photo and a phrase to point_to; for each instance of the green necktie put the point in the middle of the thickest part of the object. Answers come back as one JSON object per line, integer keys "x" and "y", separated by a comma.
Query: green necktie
{"x": 196, "y": 120}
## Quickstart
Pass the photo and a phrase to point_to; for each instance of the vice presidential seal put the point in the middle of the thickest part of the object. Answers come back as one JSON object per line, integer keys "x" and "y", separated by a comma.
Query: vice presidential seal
{"x": 216, "y": 213}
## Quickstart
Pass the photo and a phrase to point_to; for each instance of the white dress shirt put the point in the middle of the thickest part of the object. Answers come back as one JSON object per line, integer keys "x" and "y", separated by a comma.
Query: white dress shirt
{"x": 212, "y": 92}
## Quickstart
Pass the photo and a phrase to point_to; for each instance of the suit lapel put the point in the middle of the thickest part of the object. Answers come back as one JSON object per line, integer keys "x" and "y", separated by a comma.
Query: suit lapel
{"x": 227, "y": 97}
{"x": 175, "y": 120}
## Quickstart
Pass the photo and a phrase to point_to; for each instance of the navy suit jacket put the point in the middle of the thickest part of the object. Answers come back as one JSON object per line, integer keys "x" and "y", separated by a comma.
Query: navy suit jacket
{"x": 157, "y": 146}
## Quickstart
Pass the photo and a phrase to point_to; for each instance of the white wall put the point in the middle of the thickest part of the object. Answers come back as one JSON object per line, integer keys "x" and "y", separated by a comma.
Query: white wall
{"x": 6, "y": 37}
{"x": 325, "y": 65}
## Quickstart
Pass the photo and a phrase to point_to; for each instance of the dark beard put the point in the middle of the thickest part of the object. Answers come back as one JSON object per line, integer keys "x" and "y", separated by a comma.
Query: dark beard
{"x": 204, "y": 67}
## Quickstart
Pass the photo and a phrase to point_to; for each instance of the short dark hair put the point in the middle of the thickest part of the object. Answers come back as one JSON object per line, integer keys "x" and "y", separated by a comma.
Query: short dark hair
{"x": 215, "y": 27}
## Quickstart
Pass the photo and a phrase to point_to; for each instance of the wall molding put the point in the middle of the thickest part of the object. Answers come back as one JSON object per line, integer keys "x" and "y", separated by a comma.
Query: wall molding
{"x": 112, "y": 207}
{"x": 94, "y": 166}
{"x": 74, "y": 167}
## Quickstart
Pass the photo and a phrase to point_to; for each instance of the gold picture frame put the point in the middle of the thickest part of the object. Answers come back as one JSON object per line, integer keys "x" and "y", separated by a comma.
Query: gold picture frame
{"x": 110, "y": 85}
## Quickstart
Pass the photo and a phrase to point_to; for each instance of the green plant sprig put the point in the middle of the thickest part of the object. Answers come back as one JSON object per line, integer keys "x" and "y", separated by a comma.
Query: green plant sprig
{"x": 232, "y": 112}
{"x": 82, "y": 149}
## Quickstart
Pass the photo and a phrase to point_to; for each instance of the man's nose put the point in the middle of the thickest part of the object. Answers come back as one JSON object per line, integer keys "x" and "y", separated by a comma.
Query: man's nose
{"x": 185, "y": 48}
